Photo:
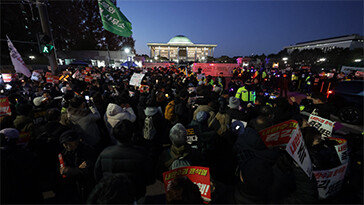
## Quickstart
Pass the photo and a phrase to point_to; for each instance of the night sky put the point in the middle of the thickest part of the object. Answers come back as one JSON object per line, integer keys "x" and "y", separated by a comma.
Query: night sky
{"x": 241, "y": 28}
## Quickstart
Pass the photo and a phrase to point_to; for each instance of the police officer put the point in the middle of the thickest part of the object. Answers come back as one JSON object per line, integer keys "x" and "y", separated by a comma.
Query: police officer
{"x": 245, "y": 94}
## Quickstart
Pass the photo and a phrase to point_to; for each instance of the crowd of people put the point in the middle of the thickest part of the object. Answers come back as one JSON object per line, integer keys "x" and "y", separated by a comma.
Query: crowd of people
{"x": 104, "y": 141}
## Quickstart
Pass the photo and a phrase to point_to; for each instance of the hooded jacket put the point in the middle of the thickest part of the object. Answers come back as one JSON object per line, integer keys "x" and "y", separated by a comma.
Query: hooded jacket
{"x": 115, "y": 113}
{"x": 86, "y": 121}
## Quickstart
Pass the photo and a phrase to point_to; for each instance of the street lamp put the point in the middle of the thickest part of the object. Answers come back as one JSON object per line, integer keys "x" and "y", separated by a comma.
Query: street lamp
{"x": 357, "y": 60}
{"x": 156, "y": 58}
{"x": 127, "y": 50}
{"x": 32, "y": 57}
{"x": 285, "y": 59}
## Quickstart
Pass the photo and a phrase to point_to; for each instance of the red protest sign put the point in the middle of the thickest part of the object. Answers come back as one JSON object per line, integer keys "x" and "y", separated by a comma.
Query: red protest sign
{"x": 198, "y": 175}
{"x": 7, "y": 77}
{"x": 278, "y": 135}
{"x": 48, "y": 74}
{"x": 4, "y": 106}
{"x": 88, "y": 78}
{"x": 50, "y": 79}
{"x": 55, "y": 79}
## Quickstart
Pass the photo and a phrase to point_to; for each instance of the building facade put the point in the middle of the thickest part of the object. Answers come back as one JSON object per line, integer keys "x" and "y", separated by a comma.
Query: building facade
{"x": 180, "y": 48}
{"x": 349, "y": 41}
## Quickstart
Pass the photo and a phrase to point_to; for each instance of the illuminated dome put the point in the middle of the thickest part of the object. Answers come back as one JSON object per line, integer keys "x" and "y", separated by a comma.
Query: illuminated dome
{"x": 180, "y": 39}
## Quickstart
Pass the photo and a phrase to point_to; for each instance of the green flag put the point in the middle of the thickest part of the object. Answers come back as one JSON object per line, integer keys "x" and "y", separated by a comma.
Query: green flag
{"x": 113, "y": 20}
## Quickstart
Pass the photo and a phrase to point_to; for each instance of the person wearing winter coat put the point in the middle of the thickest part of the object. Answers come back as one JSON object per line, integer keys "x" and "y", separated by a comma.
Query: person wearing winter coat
{"x": 85, "y": 118}
{"x": 269, "y": 175}
{"x": 79, "y": 159}
{"x": 126, "y": 158}
{"x": 114, "y": 114}
{"x": 234, "y": 111}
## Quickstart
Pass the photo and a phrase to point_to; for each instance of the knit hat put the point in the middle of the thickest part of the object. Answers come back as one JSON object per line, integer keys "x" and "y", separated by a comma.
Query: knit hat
{"x": 10, "y": 133}
{"x": 69, "y": 136}
{"x": 38, "y": 101}
{"x": 202, "y": 116}
{"x": 178, "y": 135}
{"x": 234, "y": 103}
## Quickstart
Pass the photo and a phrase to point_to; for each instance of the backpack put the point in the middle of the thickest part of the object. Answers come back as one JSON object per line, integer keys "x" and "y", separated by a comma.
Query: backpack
{"x": 169, "y": 113}
{"x": 149, "y": 129}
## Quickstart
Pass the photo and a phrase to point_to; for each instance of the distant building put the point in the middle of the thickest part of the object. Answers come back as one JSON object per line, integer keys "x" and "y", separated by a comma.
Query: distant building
{"x": 349, "y": 41}
{"x": 95, "y": 57}
{"x": 181, "y": 48}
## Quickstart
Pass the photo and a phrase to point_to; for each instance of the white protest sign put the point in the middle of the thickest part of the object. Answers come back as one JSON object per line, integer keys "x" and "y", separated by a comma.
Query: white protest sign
{"x": 36, "y": 76}
{"x": 192, "y": 138}
{"x": 324, "y": 126}
{"x": 341, "y": 149}
{"x": 136, "y": 79}
{"x": 330, "y": 181}
{"x": 298, "y": 151}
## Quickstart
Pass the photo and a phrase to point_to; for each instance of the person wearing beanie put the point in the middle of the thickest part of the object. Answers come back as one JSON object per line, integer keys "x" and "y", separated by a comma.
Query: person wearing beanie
{"x": 179, "y": 150}
{"x": 233, "y": 111}
{"x": 79, "y": 159}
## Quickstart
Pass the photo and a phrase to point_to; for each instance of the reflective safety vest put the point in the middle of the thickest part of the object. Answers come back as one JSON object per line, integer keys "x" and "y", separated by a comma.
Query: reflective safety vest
{"x": 245, "y": 95}
{"x": 264, "y": 74}
{"x": 308, "y": 80}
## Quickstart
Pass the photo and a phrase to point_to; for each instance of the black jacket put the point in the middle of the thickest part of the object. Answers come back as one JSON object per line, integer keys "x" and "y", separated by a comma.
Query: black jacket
{"x": 126, "y": 159}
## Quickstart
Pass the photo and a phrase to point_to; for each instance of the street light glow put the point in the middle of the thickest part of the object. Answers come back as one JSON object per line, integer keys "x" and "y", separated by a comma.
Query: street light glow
{"x": 156, "y": 58}
{"x": 357, "y": 60}
{"x": 127, "y": 50}
{"x": 32, "y": 57}
{"x": 322, "y": 59}
{"x": 285, "y": 58}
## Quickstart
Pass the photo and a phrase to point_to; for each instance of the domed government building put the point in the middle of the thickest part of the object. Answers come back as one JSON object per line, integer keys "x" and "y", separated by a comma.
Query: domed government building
{"x": 180, "y": 48}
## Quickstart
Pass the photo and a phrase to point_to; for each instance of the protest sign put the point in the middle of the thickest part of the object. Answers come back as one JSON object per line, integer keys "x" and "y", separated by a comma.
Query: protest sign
{"x": 324, "y": 126}
{"x": 88, "y": 78}
{"x": 298, "y": 151}
{"x": 278, "y": 135}
{"x": 198, "y": 175}
{"x": 192, "y": 138}
{"x": 48, "y": 74}
{"x": 330, "y": 181}
{"x": 36, "y": 76}
{"x": 4, "y": 106}
{"x": 55, "y": 79}
{"x": 7, "y": 77}
{"x": 49, "y": 79}
{"x": 144, "y": 89}
{"x": 288, "y": 135}
{"x": 136, "y": 79}
{"x": 341, "y": 149}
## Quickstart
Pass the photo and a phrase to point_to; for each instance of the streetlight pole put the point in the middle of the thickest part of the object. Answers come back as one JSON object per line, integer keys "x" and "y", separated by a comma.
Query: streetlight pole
{"x": 43, "y": 14}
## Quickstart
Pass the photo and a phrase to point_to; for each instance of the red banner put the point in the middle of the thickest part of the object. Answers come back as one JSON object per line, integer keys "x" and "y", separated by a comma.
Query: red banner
{"x": 49, "y": 79}
{"x": 198, "y": 175}
{"x": 152, "y": 65}
{"x": 214, "y": 69}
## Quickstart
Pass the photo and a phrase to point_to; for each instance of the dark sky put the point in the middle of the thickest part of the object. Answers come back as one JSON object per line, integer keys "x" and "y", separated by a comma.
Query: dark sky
{"x": 241, "y": 27}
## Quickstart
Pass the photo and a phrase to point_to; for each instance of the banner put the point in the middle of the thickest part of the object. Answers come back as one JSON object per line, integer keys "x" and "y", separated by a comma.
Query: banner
{"x": 136, "y": 79}
{"x": 323, "y": 125}
{"x": 17, "y": 61}
{"x": 214, "y": 69}
{"x": 330, "y": 181}
{"x": 341, "y": 149}
{"x": 288, "y": 135}
{"x": 113, "y": 20}
{"x": 49, "y": 79}
{"x": 152, "y": 65}
{"x": 7, "y": 77}
{"x": 198, "y": 175}
{"x": 4, "y": 106}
